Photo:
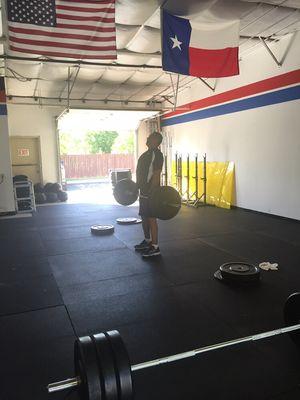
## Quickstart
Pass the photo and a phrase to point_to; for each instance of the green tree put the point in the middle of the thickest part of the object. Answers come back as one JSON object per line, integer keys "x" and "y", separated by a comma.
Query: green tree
{"x": 124, "y": 143}
{"x": 101, "y": 141}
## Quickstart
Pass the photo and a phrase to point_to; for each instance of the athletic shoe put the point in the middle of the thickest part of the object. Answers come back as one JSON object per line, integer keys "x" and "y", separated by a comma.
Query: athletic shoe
{"x": 151, "y": 252}
{"x": 144, "y": 245}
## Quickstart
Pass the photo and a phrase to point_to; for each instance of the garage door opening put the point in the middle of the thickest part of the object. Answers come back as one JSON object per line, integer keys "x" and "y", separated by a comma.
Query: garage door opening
{"x": 92, "y": 144}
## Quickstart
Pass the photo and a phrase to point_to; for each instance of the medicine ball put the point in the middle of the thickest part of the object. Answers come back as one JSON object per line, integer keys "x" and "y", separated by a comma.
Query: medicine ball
{"x": 40, "y": 198}
{"x": 48, "y": 187}
{"x": 55, "y": 188}
{"x": 38, "y": 188}
{"x": 51, "y": 197}
{"x": 62, "y": 196}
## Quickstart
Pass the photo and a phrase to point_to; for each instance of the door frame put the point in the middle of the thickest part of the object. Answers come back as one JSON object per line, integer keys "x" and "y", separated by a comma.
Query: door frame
{"x": 38, "y": 138}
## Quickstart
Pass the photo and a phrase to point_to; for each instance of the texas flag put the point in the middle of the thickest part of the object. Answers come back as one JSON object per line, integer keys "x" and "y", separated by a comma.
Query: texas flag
{"x": 202, "y": 49}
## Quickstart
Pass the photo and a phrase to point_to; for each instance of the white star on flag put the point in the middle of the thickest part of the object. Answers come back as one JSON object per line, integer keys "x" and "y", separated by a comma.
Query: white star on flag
{"x": 176, "y": 42}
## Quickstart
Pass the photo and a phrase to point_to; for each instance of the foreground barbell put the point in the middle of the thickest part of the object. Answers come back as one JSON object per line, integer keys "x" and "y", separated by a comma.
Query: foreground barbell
{"x": 103, "y": 369}
{"x": 164, "y": 201}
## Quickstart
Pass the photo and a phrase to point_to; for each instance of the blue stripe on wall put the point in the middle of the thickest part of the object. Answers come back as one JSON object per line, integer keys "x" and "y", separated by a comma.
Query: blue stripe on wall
{"x": 279, "y": 96}
{"x": 3, "y": 109}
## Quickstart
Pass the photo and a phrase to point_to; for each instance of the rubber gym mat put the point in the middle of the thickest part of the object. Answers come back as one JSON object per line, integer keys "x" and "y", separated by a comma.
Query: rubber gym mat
{"x": 32, "y": 294}
{"x": 65, "y": 246}
{"x": 37, "y": 347}
{"x": 97, "y": 290}
{"x": 15, "y": 267}
{"x": 71, "y": 269}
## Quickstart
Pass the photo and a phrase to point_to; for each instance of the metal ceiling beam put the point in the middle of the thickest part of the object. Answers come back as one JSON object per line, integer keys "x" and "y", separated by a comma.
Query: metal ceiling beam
{"x": 267, "y": 28}
{"x": 69, "y": 79}
{"x": 168, "y": 88}
{"x": 140, "y": 29}
{"x": 119, "y": 86}
{"x": 37, "y": 80}
{"x": 93, "y": 84}
{"x": 142, "y": 88}
{"x": 79, "y": 62}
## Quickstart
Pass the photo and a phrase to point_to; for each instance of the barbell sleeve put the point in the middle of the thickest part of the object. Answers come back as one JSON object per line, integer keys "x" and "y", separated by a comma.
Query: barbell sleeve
{"x": 73, "y": 382}
{"x": 63, "y": 385}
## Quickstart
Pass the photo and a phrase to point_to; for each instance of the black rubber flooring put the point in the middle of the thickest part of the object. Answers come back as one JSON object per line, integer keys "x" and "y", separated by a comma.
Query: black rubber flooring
{"x": 57, "y": 281}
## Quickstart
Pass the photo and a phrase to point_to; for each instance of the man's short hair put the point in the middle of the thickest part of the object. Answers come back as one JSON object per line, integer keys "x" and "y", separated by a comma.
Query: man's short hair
{"x": 158, "y": 137}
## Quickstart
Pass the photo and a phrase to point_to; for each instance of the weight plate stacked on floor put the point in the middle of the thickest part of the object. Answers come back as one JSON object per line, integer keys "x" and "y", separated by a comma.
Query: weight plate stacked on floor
{"x": 126, "y": 221}
{"x": 238, "y": 272}
{"x": 292, "y": 315}
{"x": 87, "y": 369}
{"x": 165, "y": 202}
{"x": 101, "y": 230}
{"x": 106, "y": 366}
{"x": 122, "y": 364}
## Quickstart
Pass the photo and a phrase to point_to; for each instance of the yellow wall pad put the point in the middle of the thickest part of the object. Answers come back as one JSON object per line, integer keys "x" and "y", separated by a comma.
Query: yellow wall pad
{"x": 220, "y": 182}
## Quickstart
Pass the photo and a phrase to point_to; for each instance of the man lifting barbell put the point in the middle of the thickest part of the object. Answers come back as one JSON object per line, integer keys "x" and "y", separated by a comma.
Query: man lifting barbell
{"x": 148, "y": 173}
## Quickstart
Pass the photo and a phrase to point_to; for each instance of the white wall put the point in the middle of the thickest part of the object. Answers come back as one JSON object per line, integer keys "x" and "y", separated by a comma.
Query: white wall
{"x": 6, "y": 184}
{"x": 35, "y": 121}
{"x": 263, "y": 142}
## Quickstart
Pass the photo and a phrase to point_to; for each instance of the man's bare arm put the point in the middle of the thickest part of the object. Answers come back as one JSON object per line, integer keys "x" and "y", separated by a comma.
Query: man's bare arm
{"x": 155, "y": 181}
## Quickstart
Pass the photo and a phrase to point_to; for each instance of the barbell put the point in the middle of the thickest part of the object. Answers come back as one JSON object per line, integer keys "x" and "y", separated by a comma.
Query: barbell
{"x": 164, "y": 201}
{"x": 103, "y": 369}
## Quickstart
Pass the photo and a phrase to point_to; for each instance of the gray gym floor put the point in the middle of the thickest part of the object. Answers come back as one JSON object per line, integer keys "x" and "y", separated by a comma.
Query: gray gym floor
{"x": 59, "y": 281}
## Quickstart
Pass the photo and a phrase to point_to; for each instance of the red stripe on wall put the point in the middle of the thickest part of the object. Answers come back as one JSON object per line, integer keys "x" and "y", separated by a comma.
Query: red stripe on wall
{"x": 214, "y": 63}
{"x": 253, "y": 88}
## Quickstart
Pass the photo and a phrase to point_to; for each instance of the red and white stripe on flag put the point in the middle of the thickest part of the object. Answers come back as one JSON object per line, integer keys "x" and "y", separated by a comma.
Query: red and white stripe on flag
{"x": 82, "y": 30}
{"x": 213, "y": 48}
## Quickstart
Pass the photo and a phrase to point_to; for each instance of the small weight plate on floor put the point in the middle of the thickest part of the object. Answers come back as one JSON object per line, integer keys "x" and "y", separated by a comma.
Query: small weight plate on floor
{"x": 86, "y": 368}
{"x": 292, "y": 315}
{"x": 101, "y": 230}
{"x": 126, "y": 221}
{"x": 106, "y": 364}
{"x": 123, "y": 366}
{"x": 240, "y": 272}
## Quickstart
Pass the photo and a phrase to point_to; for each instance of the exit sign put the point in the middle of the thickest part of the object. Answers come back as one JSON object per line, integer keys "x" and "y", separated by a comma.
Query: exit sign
{"x": 23, "y": 152}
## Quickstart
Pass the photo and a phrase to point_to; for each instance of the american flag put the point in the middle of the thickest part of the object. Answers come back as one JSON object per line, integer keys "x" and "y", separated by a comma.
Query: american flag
{"x": 63, "y": 28}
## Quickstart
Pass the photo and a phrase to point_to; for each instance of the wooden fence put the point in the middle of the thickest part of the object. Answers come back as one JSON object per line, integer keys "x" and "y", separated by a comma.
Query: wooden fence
{"x": 95, "y": 165}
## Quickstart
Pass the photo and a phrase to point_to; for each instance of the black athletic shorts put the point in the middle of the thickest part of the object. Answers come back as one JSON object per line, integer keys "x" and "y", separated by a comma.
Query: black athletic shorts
{"x": 145, "y": 209}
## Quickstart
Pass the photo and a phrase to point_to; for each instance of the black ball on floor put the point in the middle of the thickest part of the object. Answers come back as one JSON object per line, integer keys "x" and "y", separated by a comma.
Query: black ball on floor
{"x": 62, "y": 196}
{"x": 38, "y": 188}
{"x": 51, "y": 197}
{"x": 55, "y": 188}
{"x": 48, "y": 187}
{"x": 40, "y": 198}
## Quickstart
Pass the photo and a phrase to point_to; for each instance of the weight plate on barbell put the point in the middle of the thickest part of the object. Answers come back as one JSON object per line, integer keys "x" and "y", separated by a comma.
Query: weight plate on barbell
{"x": 106, "y": 365}
{"x": 86, "y": 368}
{"x": 125, "y": 192}
{"x": 291, "y": 313}
{"x": 165, "y": 202}
{"x": 239, "y": 272}
{"x": 101, "y": 230}
{"x": 123, "y": 366}
{"x": 126, "y": 221}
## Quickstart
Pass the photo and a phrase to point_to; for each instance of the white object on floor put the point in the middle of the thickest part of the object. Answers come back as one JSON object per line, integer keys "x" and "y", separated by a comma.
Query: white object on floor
{"x": 268, "y": 266}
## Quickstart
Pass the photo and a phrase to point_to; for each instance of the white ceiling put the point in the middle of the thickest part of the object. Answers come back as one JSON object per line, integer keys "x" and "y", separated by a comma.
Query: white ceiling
{"x": 136, "y": 78}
